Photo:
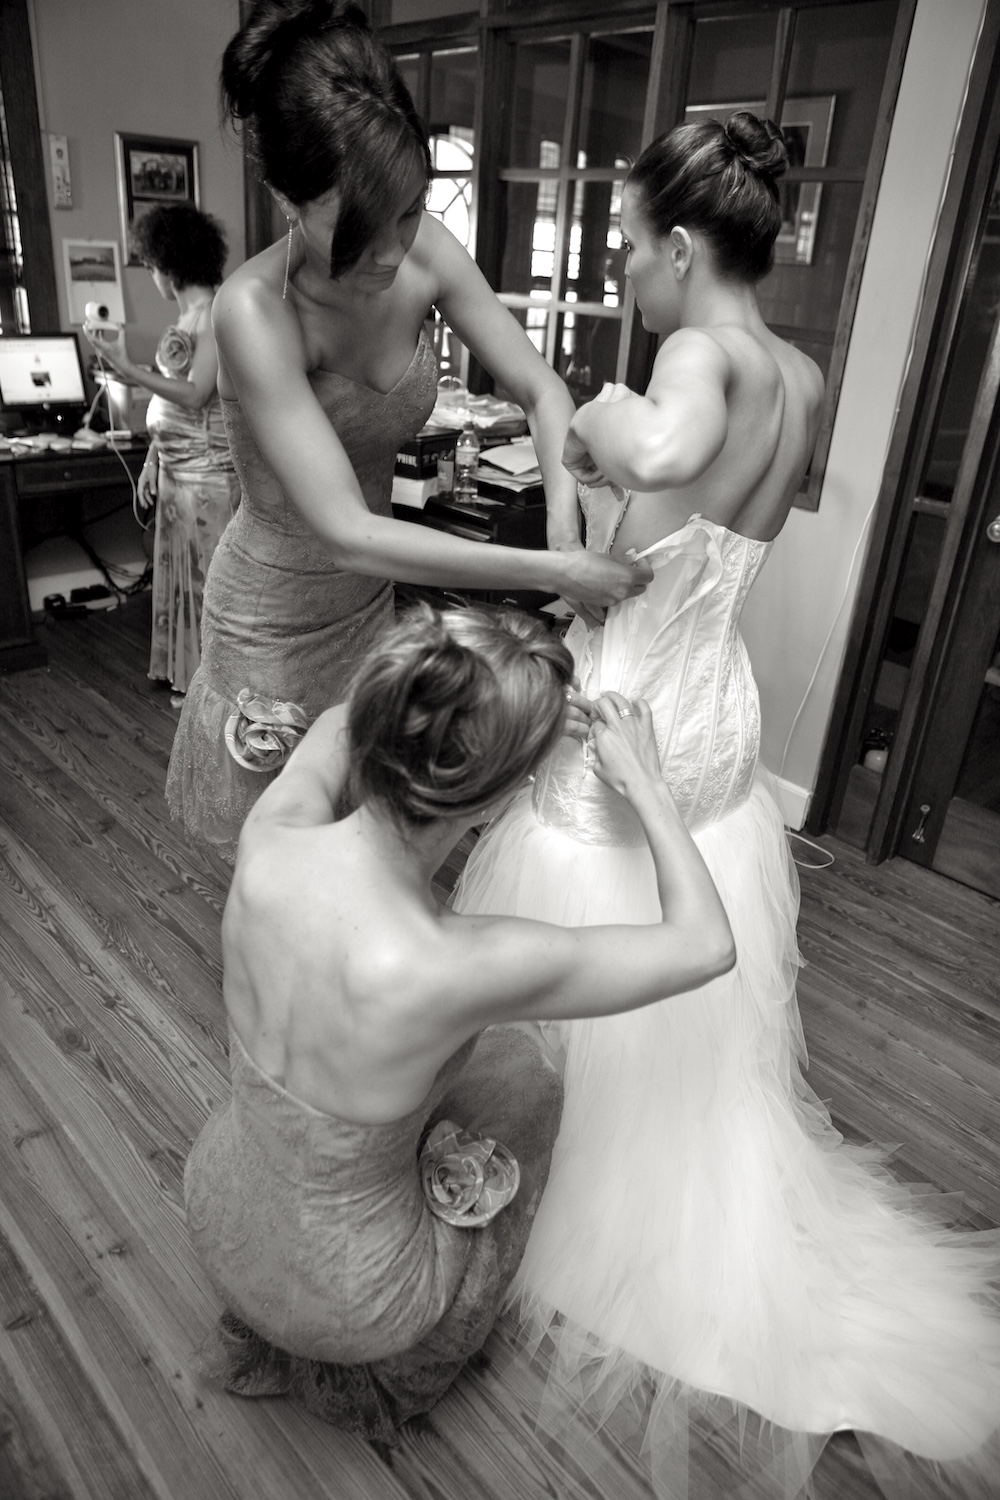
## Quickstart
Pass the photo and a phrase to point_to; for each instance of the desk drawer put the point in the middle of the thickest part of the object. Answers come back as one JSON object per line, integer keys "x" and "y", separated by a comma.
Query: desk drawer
{"x": 62, "y": 475}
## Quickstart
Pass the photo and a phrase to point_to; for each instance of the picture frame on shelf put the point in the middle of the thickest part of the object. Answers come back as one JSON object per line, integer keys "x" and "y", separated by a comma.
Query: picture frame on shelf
{"x": 152, "y": 170}
{"x": 806, "y": 124}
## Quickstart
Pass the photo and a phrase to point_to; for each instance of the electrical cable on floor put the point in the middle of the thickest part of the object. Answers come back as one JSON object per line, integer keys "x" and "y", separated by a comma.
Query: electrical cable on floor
{"x": 136, "y": 582}
{"x": 828, "y": 860}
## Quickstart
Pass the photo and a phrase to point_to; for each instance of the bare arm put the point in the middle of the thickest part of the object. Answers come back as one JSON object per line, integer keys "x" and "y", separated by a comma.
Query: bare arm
{"x": 261, "y": 344}
{"x": 311, "y": 781}
{"x": 669, "y": 436}
{"x": 498, "y": 341}
{"x": 193, "y": 390}
{"x": 521, "y": 970}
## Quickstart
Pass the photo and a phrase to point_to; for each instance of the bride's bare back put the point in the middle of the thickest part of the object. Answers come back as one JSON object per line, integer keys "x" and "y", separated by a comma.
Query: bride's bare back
{"x": 727, "y": 424}
{"x": 772, "y": 395}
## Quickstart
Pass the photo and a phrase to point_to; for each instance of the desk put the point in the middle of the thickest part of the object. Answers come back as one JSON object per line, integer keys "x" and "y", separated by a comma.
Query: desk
{"x": 518, "y": 520}
{"x": 42, "y": 495}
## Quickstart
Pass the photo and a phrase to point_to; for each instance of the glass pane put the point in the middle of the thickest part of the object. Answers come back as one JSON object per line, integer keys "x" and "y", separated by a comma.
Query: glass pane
{"x": 595, "y": 260}
{"x": 615, "y": 75}
{"x": 732, "y": 59}
{"x": 450, "y": 198}
{"x": 839, "y": 54}
{"x": 538, "y": 116}
{"x": 979, "y": 778}
{"x": 528, "y": 255}
{"x": 453, "y": 90}
{"x": 587, "y": 352}
{"x": 409, "y": 67}
{"x": 811, "y": 255}
{"x": 982, "y": 301}
{"x": 920, "y": 563}
{"x": 401, "y": 11}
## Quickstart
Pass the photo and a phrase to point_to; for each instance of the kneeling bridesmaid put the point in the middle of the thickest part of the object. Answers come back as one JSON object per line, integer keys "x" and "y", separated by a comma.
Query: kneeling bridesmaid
{"x": 363, "y": 1200}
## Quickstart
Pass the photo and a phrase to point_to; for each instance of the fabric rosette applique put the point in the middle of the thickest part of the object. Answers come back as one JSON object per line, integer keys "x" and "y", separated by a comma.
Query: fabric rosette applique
{"x": 262, "y": 734}
{"x": 175, "y": 351}
{"x": 466, "y": 1178}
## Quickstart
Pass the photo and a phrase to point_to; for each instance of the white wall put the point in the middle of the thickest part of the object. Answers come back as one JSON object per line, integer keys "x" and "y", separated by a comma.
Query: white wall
{"x": 143, "y": 68}
{"x": 797, "y": 617}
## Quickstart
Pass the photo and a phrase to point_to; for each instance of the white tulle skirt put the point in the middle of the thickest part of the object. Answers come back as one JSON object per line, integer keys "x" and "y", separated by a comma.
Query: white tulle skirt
{"x": 708, "y": 1245}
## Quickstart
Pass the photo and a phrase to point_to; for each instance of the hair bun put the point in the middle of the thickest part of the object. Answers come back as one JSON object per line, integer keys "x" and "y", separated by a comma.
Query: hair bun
{"x": 759, "y": 144}
{"x": 267, "y": 37}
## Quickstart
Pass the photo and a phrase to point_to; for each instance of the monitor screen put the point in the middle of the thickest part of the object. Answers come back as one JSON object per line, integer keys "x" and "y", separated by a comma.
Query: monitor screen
{"x": 41, "y": 369}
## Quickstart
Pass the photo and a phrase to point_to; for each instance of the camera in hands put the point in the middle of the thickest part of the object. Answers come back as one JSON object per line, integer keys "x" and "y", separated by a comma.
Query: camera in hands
{"x": 98, "y": 326}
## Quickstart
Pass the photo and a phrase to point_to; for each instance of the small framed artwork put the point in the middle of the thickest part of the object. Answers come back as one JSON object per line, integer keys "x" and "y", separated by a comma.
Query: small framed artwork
{"x": 152, "y": 169}
{"x": 92, "y": 275}
{"x": 806, "y": 125}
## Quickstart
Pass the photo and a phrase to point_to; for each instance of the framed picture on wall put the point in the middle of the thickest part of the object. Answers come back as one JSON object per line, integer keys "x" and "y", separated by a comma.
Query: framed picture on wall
{"x": 806, "y": 125}
{"x": 152, "y": 169}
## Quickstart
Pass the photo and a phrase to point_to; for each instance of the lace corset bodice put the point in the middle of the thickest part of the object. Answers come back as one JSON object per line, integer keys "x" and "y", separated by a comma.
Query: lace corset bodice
{"x": 678, "y": 646}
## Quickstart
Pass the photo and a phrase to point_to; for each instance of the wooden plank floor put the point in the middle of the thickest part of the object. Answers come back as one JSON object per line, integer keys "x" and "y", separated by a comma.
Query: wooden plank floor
{"x": 112, "y": 1053}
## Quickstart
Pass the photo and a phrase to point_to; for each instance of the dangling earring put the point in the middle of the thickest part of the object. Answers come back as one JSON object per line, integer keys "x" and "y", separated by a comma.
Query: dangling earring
{"x": 288, "y": 258}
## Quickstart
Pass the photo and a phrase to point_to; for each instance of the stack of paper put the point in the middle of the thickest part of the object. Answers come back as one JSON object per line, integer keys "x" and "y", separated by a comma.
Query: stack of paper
{"x": 415, "y": 492}
{"x": 512, "y": 465}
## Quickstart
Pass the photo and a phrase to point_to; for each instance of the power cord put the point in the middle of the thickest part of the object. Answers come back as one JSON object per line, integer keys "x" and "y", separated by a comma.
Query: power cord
{"x": 828, "y": 860}
{"x": 104, "y": 369}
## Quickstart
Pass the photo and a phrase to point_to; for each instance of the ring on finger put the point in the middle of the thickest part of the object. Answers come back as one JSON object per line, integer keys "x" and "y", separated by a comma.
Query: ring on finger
{"x": 625, "y": 713}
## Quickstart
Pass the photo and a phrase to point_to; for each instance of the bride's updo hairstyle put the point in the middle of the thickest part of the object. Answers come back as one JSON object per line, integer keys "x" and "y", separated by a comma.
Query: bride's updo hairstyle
{"x": 721, "y": 180}
{"x": 323, "y": 106}
{"x": 453, "y": 711}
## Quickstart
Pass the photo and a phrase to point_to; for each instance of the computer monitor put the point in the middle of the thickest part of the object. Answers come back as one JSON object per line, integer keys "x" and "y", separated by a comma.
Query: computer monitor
{"x": 41, "y": 378}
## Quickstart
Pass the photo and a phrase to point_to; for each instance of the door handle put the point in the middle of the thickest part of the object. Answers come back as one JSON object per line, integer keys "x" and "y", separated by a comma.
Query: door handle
{"x": 993, "y": 529}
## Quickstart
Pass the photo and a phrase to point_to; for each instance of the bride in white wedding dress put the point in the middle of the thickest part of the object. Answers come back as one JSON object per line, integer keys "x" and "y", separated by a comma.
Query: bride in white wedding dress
{"x": 705, "y": 1232}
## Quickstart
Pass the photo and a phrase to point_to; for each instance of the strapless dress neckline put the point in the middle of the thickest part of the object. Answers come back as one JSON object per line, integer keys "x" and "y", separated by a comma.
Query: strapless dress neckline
{"x": 360, "y": 384}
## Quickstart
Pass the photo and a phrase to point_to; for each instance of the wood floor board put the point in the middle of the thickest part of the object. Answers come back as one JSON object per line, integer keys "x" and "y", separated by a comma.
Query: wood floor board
{"x": 69, "y": 726}
{"x": 113, "y": 1051}
{"x": 56, "y": 1440}
{"x": 98, "y": 867}
{"x": 135, "y": 1314}
{"x": 102, "y": 989}
{"x": 153, "y": 1116}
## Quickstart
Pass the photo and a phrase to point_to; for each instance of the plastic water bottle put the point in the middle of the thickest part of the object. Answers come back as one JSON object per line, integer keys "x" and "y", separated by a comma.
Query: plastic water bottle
{"x": 467, "y": 464}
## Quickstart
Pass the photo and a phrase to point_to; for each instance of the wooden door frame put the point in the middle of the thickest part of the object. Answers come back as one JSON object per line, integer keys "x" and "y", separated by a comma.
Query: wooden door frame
{"x": 946, "y": 287}
{"x": 17, "y": 84}
{"x": 951, "y": 697}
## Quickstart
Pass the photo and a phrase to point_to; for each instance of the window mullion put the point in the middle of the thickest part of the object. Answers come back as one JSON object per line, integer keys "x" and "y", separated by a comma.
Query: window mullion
{"x": 567, "y": 186}
{"x": 780, "y": 60}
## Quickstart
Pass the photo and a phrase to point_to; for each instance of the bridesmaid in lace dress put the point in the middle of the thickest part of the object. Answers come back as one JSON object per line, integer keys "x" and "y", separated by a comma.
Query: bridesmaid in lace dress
{"x": 362, "y": 1201}
{"x": 188, "y": 474}
{"x": 325, "y": 369}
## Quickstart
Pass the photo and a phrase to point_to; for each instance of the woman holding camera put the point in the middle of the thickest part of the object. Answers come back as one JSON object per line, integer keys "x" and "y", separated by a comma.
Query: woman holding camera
{"x": 188, "y": 474}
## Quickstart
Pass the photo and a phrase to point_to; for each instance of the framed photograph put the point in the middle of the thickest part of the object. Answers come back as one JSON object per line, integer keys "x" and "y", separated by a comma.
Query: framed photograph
{"x": 806, "y": 124}
{"x": 92, "y": 275}
{"x": 152, "y": 169}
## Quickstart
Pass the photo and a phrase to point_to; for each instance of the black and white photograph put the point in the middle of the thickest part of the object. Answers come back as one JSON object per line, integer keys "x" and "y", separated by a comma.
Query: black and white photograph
{"x": 152, "y": 170}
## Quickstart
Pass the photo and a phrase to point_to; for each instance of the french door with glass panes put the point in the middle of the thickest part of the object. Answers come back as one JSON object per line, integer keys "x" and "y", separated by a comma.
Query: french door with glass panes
{"x": 951, "y": 820}
{"x": 571, "y": 106}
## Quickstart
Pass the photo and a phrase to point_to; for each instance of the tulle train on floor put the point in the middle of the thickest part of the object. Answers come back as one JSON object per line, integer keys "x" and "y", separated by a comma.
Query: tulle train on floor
{"x": 708, "y": 1247}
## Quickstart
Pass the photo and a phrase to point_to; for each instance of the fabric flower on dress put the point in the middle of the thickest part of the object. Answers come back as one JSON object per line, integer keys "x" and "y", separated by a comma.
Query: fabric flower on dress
{"x": 466, "y": 1178}
{"x": 262, "y": 734}
{"x": 176, "y": 351}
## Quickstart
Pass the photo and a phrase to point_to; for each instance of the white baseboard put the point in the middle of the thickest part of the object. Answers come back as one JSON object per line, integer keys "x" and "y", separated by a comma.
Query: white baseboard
{"x": 794, "y": 802}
